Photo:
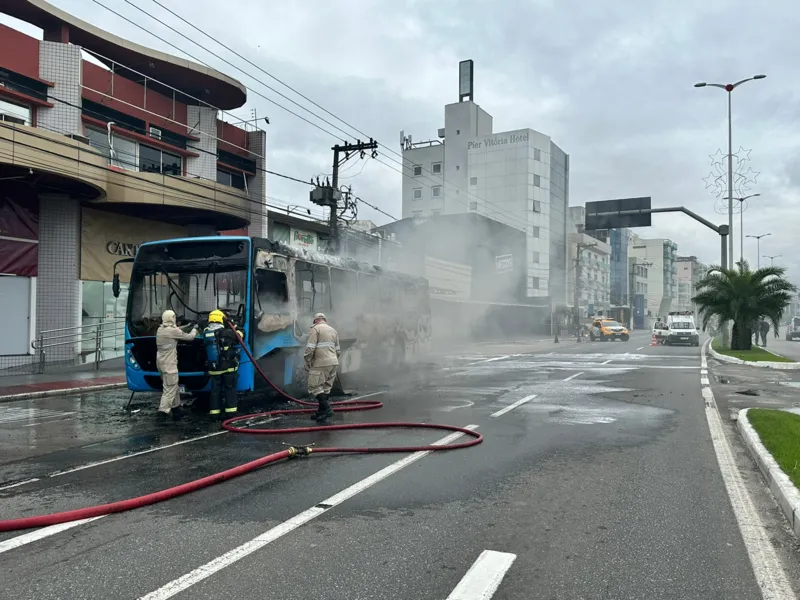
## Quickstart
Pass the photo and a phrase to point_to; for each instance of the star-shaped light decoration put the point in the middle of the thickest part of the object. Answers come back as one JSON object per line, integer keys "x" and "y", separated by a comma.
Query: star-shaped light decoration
{"x": 750, "y": 176}
{"x": 717, "y": 157}
{"x": 711, "y": 180}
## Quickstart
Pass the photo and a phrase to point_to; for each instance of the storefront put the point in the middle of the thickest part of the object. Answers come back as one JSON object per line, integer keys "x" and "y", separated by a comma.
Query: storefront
{"x": 107, "y": 237}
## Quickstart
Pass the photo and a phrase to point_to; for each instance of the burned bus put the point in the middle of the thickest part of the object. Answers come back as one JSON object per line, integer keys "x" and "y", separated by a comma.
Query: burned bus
{"x": 271, "y": 292}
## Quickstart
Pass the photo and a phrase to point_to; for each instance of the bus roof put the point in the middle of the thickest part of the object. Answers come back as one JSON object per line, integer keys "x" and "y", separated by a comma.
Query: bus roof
{"x": 266, "y": 245}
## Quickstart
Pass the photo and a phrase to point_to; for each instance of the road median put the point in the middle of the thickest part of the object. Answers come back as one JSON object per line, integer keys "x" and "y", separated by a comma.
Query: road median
{"x": 755, "y": 357}
{"x": 772, "y": 437}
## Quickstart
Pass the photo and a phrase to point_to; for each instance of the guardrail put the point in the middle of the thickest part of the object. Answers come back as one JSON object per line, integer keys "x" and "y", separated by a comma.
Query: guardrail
{"x": 80, "y": 340}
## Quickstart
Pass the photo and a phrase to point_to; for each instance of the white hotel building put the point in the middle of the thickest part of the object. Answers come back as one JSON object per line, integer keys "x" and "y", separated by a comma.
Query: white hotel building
{"x": 519, "y": 177}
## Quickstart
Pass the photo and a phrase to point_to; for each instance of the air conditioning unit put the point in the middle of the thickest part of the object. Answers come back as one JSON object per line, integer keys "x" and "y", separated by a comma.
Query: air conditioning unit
{"x": 155, "y": 133}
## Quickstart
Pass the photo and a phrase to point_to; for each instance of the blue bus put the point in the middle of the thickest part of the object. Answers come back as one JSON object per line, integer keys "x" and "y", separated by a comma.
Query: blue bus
{"x": 271, "y": 291}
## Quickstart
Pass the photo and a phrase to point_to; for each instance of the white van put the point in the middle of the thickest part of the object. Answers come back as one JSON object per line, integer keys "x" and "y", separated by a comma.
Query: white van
{"x": 793, "y": 329}
{"x": 682, "y": 329}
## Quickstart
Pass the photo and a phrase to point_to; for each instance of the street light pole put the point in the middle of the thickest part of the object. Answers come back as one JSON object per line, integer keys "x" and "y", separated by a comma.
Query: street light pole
{"x": 758, "y": 246}
{"x": 741, "y": 223}
{"x": 772, "y": 259}
{"x": 729, "y": 87}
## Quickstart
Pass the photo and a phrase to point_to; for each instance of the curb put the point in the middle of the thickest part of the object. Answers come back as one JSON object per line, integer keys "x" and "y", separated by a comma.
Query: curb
{"x": 62, "y": 392}
{"x": 780, "y": 485}
{"x": 782, "y": 366}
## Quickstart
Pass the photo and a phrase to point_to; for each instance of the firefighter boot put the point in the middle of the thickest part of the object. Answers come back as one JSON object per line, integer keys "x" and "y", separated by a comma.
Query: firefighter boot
{"x": 316, "y": 415}
{"x": 325, "y": 409}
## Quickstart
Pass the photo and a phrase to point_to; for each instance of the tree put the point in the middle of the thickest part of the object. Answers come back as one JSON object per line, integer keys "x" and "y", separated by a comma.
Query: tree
{"x": 745, "y": 297}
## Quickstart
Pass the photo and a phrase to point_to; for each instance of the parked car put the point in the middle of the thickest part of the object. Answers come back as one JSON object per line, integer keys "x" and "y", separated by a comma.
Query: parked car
{"x": 793, "y": 329}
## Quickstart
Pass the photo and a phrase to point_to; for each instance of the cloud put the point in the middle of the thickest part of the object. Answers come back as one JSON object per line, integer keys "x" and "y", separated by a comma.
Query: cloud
{"x": 611, "y": 83}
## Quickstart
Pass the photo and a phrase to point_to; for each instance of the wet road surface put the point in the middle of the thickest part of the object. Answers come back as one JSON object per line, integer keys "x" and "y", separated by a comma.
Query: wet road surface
{"x": 597, "y": 479}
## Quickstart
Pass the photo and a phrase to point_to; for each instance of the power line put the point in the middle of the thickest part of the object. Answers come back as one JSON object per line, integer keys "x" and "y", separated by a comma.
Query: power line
{"x": 498, "y": 210}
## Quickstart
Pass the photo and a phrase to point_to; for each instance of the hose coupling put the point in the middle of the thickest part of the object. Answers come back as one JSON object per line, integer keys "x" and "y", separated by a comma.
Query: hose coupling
{"x": 295, "y": 451}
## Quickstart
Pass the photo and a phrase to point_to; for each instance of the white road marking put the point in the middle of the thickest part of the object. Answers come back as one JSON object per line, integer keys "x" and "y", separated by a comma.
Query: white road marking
{"x": 207, "y": 570}
{"x": 571, "y": 377}
{"x": 638, "y": 349}
{"x": 484, "y": 576}
{"x": 767, "y": 567}
{"x": 704, "y": 381}
{"x": 19, "y": 483}
{"x": 488, "y": 360}
{"x": 608, "y": 361}
{"x": 140, "y": 453}
{"x": 40, "y": 534}
{"x": 511, "y": 407}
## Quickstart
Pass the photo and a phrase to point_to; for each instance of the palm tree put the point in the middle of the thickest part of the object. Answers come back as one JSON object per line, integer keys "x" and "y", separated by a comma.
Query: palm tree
{"x": 744, "y": 297}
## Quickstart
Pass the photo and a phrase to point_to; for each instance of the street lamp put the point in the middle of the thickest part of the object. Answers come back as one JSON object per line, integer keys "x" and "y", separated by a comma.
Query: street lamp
{"x": 758, "y": 246}
{"x": 729, "y": 87}
{"x": 741, "y": 224}
{"x": 772, "y": 258}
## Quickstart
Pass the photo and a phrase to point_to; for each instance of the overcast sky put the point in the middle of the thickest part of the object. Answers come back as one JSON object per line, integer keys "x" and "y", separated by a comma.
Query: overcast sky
{"x": 610, "y": 82}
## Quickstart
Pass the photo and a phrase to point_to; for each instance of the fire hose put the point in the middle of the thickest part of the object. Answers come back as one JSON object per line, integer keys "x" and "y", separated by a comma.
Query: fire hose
{"x": 290, "y": 452}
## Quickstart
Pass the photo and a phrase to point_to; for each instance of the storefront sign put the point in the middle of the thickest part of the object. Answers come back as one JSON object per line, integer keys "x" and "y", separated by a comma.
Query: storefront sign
{"x": 504, "y": 263}
{"x": 121, "y": 248}
{"x": 107, "y": 237}
{"x": 303, "y": 239}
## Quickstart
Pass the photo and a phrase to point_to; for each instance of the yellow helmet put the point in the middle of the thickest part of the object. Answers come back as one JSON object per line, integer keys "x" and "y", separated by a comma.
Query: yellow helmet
{"x": 216, "y": 316}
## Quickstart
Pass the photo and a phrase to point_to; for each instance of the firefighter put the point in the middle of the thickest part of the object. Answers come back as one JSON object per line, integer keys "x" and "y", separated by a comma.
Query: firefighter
{"x": 222, "y": 357}
{"x": 167, "y": 338}
{"x": 321, "y": 361}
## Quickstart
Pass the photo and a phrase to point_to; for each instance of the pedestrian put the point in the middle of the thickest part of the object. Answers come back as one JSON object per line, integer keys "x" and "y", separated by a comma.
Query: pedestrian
{"x": 222, "y": 358}
{"x": 321, "y": 362}
{"x": 764, "y": 327}
{"x": 167, "y": 337}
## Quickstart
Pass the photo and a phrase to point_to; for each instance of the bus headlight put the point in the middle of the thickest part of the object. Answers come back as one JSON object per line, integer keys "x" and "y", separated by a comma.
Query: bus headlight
{"x": 130, "y": 360}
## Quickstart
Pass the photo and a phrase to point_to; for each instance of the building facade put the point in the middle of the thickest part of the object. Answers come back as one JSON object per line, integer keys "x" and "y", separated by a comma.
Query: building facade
{"x": 689, "y": 272}
{"x": 98, "y": 156}
{"x": 519, "y": 178}
{"x": 589, "y": 258}
{"x": 660, "y": 258}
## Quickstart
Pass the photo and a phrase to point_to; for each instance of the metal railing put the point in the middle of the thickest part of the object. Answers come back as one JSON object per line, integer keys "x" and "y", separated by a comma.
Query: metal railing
{"x": 88, "y": 340}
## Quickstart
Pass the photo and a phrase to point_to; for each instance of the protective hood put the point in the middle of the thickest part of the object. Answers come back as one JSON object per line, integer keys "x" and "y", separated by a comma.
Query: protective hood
{"x": 168, "y": 318}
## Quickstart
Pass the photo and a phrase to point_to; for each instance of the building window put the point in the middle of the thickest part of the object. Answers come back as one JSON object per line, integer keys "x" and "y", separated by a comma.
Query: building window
{"x": 232, "y": 179}
{"x": 153, "y": 160}
{"x": 537, "y": 154}
{"x": 437, "y": 168}
{"x": 535, "y": 257}
{"x": 535, "y": 231}
{"x": 473, "y": 181}
{"x": 417, "y": 193}
{"x": 473, "y": 206}
{"x": 537, "y": 181}
{"x": 436, "y": 212}
{"x": 416, "y": 214}
{"x": 534, "y": 282}
{"x": 15, "y": 113}
{"x": 436, "y": 191}
{"x": 417, "y": 170}
{"x": 537, "y": 206}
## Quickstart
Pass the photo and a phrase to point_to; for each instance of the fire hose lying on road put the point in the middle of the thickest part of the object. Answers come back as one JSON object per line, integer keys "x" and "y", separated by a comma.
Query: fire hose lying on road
{"x": 291, "y": 452}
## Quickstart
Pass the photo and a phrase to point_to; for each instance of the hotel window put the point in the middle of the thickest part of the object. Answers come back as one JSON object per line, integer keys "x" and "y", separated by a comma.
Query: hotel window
{"x": 537, "y": 154}
{"x": 417, "y": 170}
{"x": 473, "y": 181}
{"x": 537, "y": 206}
{"x": 437, "y": 168}
{"x": 537, "y": 181}
{"x": 535, "y": 232}
{"x": 417, "y": 194}
{"x": 15, "y": 113}
{"x": 436, "y": 191}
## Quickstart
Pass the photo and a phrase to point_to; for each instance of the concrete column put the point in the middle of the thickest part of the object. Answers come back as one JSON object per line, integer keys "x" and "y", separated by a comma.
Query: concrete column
{"x": 62, "y": 65}
{"x": 257, "y": 185}
{"x": 58, "y": 296}
{"x": 202, "y": 123}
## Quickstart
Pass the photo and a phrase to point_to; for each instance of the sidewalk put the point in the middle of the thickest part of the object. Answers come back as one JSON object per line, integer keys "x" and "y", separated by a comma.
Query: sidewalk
{"x": 24, "y": 387}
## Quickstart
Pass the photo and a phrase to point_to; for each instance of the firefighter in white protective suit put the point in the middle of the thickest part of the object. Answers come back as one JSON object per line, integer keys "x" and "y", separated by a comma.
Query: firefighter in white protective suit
{"x": 321, "y": 362}
{"x": 167, "y": 338}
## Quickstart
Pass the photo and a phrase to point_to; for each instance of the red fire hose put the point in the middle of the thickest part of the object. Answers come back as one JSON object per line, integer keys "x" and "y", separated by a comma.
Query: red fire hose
{"x": 198, "y": 484}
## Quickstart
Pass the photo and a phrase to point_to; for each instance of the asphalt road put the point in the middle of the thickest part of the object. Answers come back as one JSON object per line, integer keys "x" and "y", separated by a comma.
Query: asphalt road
{"x": 597, "y": 478}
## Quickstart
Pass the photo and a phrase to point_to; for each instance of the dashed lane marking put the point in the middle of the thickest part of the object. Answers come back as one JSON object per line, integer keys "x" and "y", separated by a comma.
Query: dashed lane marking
{"x": 484, "y": 576}
{"x": 511, "y": 407}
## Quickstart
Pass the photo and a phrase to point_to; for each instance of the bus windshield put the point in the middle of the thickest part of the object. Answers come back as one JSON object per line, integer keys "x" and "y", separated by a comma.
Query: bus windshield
{"x": 192, "y": 281}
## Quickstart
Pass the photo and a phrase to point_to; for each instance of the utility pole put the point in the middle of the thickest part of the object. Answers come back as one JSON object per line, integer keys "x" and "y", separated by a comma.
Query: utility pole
{"x": 329, "y": 195}
{"x": 577, "y": 295}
